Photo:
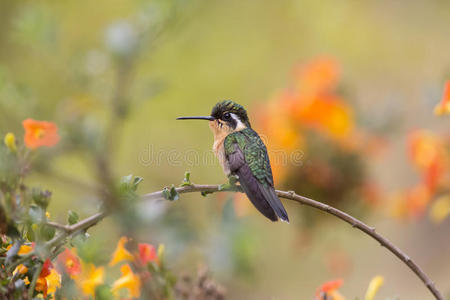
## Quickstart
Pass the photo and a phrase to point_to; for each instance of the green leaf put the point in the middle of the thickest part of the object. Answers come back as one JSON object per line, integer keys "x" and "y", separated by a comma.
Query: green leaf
{"x": 233, "y": 179}
{"x": 41, "y": 198}
{"x": 136, "y": 181}
{"x": 103, "y": 292}
{"x": 130, "y": 183}
{"x": 205, "y": 193}
{"x": 47, "y": 232}
{"x": 72, "y": 217}
{"x": 36, "y": 214}
{"x": 170, "y": 193}
{"x": 174, "y": 193}
{"x": 187, "y": 179}
{"x": 126, "y": 180}
{"x": 31, "y": 236}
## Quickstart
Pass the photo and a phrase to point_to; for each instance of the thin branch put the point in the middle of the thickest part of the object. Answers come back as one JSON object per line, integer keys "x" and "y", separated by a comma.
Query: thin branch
{"x": 65, "y": 232}
{"x": 69, "y": 230}
{"x": 290, "y": 195}
{"x": 57, "y": 225}
{"x": 82, "y": 225}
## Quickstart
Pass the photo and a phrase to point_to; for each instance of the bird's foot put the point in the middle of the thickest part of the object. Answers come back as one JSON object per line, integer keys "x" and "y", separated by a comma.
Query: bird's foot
{"x": 231, "y": 185}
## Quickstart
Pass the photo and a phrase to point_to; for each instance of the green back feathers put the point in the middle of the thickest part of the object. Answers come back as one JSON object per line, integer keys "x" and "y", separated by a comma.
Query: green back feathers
{"x": 255, "y": 153}
{"x": 232, "y": 107}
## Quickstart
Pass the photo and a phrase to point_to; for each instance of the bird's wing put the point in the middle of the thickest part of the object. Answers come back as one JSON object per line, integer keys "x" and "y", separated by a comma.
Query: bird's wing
{"x": 247, "y": 157}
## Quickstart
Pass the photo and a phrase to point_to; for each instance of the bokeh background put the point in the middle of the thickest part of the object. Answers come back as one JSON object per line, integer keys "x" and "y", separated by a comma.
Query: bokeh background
{"x": 344, "y": 90}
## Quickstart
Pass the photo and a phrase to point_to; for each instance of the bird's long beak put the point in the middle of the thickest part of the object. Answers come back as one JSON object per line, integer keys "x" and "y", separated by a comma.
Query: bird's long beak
{"x": 209, "y": 118}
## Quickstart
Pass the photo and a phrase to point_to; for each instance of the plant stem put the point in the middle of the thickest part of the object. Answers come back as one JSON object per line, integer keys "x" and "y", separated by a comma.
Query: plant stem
{"x": 290, "y": 195}
{"x": 34, "y": 280}
{"x": 67, "y": 231}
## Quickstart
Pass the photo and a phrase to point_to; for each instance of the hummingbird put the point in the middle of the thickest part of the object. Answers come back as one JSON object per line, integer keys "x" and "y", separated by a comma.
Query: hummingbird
{"x": 243, "y": 155}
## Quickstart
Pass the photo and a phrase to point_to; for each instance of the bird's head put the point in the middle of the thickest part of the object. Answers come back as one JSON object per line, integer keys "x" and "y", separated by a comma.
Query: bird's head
{"x": 226, "y": 117}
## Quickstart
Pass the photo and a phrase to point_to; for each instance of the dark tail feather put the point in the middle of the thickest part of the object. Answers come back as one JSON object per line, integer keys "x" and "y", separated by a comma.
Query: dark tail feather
{"x": 275, "y": 203}
{"x": 260, "y": 203}
{"x": 254, "y": 191}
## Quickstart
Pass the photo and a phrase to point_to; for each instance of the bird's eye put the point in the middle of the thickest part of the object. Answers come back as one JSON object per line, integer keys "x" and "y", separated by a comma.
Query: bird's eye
{"x": 226, "y": 116}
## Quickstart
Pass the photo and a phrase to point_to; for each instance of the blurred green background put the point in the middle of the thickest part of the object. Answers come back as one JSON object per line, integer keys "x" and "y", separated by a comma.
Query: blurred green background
{"x": 61, "y": 61}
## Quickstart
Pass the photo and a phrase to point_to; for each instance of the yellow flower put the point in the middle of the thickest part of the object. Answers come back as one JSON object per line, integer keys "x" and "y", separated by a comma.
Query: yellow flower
{"x": 53, "y": 281}
{"x": 121, "y": 253}
{"x": 374, "y": 286}
{"x": 10, "y": 142}
{"x": 21, "y": 269}
{"x": 26, "y": 281}
{"x": 47, "y": 214}
{"x": 89, "y": 279}
{"x": 443, "y": 108}
{"x": 41, "y": 286}
{"x": 129, "y": 281}
{"x": 24, "y": 249}
{"x": 335, "y": 295}
{"x": 161, "y": 251}
{"x": 440, "y": 209}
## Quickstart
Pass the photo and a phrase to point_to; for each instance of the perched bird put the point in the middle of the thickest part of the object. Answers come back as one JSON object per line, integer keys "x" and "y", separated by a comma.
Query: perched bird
{"x": 242, "y": 153}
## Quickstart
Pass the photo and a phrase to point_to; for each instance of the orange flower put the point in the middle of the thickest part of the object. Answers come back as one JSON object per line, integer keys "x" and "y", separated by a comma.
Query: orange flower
{"x": 319, "y": 76}
{"x": 49, "y": 280}
{"x": 121, "y": 253}
{"x": 70, "y": 262}
{"x": 40, "y": 133}
{"x": 275, "y": 123}
{"x": 444, "y": 107}
{"x": 129, "y": 281}
{"x": 425, "y": 148}
{"x": 89, "y": 278}
{"x": 41, "y": 286}
{"x": 279, "y": 132}
{"x": 328, "y": 290}
{"x": 427, "y": 151}
{"x": 411, "y": 203}
{"x": 329, "y": 115}
{"x": 147, "y": 253}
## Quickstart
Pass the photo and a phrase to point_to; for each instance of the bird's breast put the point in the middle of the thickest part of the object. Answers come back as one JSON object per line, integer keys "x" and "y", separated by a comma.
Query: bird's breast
{"x": 220, "y": 132}
{"x": 219, "y": 151}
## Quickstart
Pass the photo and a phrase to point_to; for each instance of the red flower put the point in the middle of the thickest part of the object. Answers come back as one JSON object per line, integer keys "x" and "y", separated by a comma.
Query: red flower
{"x": 70, "y": 262}
{"x": 41, "y": 283}
{"x": 46, "y": 268}
{"x": 147, "y": 253}
{"x": 40, "y": 133}
{"x": 329, "y": 286}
